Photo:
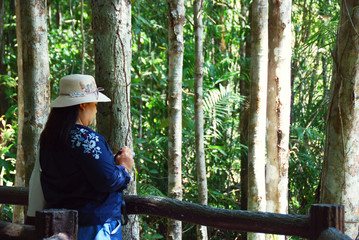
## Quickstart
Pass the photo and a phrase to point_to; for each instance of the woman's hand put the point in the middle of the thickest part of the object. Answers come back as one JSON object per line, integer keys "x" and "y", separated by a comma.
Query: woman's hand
{"x": 125, "y": 159}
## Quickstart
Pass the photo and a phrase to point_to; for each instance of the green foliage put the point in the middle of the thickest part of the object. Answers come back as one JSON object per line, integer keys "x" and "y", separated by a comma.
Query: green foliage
{"x": 218, "y": 106}
{"x": 150, "y": 227}
{"x": 8, "y": 85}
{"x": 305, "y": 166}
{"x": 150, "y": 120}
{"x": 7, "y": 156}
{"x": 8, "y": 141}
{"x": 7, "y": 162}
{"x": 65, "y": 41}
{"x": 315, "y": 24}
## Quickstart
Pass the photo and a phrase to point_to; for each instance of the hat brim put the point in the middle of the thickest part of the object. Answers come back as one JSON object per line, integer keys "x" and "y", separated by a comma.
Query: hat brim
{"x": 67, "y": 101}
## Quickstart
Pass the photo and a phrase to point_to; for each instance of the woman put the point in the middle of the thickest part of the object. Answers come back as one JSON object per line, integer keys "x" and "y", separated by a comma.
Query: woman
{"x": 79, "y": 171}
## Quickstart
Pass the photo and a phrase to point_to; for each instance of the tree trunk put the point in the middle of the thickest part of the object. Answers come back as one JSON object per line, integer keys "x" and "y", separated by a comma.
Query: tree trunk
{"x": 4, "y": 104}
{"x": 2, "y": 41}
{"x": 257, "y": 111}
{"x": 199, "y": 132}
{"x": 175, "y": 55}
{"x": 33, "y": 87}
{"x": 112, "y": 39}
{"x": 245, "y": 50}
{"x": 278, "y": 107}
{"x": 83, "y": 41}
{"x": 340, "y": 178}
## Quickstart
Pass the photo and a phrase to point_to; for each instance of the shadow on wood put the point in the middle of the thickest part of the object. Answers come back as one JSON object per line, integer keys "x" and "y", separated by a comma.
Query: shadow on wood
{"x": 332, "y": 233}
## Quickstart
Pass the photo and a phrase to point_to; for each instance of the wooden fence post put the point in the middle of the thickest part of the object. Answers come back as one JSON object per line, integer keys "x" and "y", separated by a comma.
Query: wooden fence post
{"x": 323, "y": 216}
{"x": 52, "y": 221}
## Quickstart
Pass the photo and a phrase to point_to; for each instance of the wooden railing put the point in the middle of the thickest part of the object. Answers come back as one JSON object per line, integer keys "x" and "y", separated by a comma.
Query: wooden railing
{"x": 324, "y": 222}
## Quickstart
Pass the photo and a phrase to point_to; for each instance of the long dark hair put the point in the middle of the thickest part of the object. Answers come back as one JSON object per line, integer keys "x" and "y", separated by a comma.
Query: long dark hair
{"x": 56, "y": 134}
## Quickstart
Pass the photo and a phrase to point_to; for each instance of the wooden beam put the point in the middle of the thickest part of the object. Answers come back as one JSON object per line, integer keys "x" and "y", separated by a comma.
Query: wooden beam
{"x": 323, "y": 216}
{"x": 237, "y": 220}
{"x": 53, "y": 221}
{"x": 14, "y": 195}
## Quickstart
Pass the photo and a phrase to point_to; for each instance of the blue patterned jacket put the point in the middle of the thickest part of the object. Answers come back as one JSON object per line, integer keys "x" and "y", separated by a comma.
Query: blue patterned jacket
{"x": 84, "y": 178}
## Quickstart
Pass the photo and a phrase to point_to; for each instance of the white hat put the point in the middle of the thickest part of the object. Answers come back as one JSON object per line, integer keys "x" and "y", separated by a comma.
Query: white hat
{"x": 76, "y": 89}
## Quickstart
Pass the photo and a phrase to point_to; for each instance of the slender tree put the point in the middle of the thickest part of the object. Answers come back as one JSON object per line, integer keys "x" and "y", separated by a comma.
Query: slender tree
{"x": 199, "y": 124}
{"x": 112, "y": 39}
{"x": 340, "y": 178}
{"x": 82, "y": 38}
{"x": 175, "y": 56}
{"x": 2, "y": 42}
{"x": 257, "y": 111}
{"x": 278, "y": 106}
{"x": 245, "y": 52}
{"x": 4, "y": 104}
{"x": 33, "y": 87}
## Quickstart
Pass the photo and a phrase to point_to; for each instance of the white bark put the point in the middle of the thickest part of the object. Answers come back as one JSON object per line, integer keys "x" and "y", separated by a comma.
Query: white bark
{"x": 340, "y": 178}
{"x": 112, "y": 38}
{"x": 33, "y": 87}
{"x": 175, "y": 54}
{"x": 199, "y": 132}
{"x": 278, "y": 106}
{"x": 257, "y": 115}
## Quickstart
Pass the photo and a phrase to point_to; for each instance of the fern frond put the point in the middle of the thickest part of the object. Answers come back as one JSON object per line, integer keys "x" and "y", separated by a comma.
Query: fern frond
{"x": 148, "y": 189}
{"x": 218, "y": 106}
{"x": 220, "y": 100}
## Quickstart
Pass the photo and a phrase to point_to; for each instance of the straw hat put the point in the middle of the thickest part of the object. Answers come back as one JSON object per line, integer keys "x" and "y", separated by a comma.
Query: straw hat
{"x": 76, "y": 89}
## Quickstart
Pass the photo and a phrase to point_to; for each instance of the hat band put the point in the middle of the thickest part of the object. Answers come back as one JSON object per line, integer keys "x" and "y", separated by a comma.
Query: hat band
{"x": 82, "y": 94}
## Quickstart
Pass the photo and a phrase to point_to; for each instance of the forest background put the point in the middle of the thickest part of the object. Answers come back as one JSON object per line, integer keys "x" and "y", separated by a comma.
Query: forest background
{"x": 226, "y": 64}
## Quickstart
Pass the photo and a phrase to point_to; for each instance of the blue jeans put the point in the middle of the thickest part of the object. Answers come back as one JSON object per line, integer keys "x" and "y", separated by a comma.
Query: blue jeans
{"x": 108, "y": 231}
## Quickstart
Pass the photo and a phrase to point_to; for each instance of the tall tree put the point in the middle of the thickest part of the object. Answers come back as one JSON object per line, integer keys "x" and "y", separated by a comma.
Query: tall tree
{"x": 175, "y": 56}
{"x": 2, "y": 43}
{"x": 4, "y": 104}
{"x": 112, "y": 39}
{"x": 82, "y": 38}
{"x": 340, "y": 178}
{"x": 199, "y": 123}
{"x": 257, "y": 111}
{"x": 278, "y": 106}
{"x": 245, "y": 52}
{"x": 33, "y": 87}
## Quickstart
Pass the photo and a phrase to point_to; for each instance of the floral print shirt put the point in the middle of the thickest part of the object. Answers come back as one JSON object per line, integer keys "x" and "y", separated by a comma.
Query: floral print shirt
{"x": 81, "y": 137}
{"x": 84, "y": 178}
